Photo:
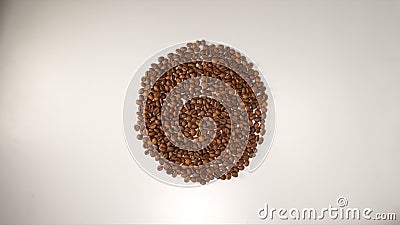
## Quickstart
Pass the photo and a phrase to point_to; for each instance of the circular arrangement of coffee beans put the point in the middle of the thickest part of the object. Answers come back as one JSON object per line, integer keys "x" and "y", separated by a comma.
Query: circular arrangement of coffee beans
{"x": 201, "y": 112}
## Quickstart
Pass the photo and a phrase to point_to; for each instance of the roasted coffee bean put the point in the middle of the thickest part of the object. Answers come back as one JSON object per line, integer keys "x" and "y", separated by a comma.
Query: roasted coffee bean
{"x": 205, "y": 123}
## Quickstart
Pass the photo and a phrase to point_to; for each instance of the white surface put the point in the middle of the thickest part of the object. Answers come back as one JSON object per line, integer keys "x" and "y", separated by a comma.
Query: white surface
{"x": 148, "y": 164}
{"x": 333, "y": 67}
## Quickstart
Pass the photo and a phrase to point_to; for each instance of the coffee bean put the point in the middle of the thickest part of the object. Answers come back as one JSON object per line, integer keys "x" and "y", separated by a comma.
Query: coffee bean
{"x": 202, "y": 119}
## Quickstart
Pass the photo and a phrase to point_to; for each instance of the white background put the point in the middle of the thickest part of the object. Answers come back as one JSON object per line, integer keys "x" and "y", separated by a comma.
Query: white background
{"x": 333, "y": 66}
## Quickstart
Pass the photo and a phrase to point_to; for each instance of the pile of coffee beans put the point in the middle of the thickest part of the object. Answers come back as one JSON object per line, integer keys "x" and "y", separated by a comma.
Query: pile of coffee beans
{"x": 201, "y": 112}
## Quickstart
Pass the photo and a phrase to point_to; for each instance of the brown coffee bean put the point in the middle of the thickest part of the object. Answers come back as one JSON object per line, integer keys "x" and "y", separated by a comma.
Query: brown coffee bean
{"x": 199, "y": 59}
